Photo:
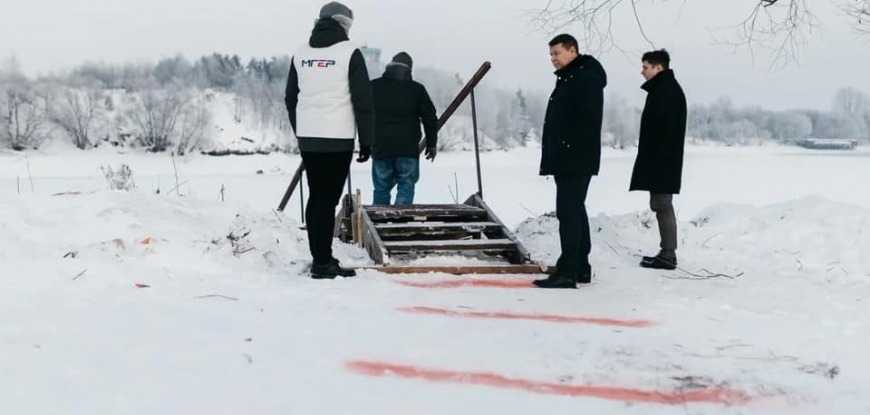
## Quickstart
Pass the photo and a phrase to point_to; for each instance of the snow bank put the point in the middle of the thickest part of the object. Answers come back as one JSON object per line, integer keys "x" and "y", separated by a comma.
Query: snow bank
{"x": 811, "y": 237}
{"x": 153, "y": 235}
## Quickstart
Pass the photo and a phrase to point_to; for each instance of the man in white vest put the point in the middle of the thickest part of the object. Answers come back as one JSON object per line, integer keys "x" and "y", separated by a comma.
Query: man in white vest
{"x": 329, "y": 101}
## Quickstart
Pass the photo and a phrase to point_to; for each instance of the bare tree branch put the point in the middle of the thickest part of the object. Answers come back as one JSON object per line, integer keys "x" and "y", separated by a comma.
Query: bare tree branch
{"x": 640, "y": 25}
{"x": 22, "y": 113}
{"x": 860, "y": 11}
{"x": 782, "y": 26}
{"x": 163, "y": 116}
{"x": 76, "y": 112}
{"x": 594, "y": 18}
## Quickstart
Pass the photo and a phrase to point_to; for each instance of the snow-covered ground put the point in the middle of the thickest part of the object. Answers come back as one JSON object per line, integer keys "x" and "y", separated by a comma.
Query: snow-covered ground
{"x": 746, "y": 175}
{"x": 145, "y": 303}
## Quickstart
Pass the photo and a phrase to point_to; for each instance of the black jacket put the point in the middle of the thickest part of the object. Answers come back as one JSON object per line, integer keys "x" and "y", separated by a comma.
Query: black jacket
{"x": 571, "y": 143}
{"x": 659, "y": 164}
{"x": 402, "y": 104}
{"x": 326, "y": 33}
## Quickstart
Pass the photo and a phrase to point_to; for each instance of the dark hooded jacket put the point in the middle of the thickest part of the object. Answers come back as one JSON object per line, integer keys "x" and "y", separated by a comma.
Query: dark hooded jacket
{"x": 571, "y": 142}
{"x": 402, "y": 105}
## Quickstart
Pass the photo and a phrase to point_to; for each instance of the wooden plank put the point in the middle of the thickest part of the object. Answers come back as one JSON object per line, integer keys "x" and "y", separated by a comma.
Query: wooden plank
{"x": 439, "y": 231}
{"x": 522, "y": 255}
{"x": 421, "y": 209}
{"x": 436, "y": 225}
{"x": 428, "y": 235}
{"x": 452, "y": 245}
{"x": 462, "y": 270}
{"x": 377, "y": 208}
{"x": 354, "y": 221}
{"x": 429, "y": 211}
{"x": 343, "y": 228}
{"x": 297, "y": 177}
{"x": 428, "y": 214}
{"x": 372, "y": 241}
{"x": 357, "y": 211}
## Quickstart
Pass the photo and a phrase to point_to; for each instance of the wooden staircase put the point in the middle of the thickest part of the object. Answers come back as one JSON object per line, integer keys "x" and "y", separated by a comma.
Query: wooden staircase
{"x": 397, "y": 237}
{"x": 405, "y": 239}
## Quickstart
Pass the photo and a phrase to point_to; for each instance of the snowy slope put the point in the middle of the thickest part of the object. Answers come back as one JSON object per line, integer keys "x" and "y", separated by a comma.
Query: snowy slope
{"x": 246, "y": 135}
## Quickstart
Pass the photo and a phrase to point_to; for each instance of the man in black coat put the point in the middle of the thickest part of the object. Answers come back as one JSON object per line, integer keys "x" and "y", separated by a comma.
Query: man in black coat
{"x": 401, "y": 105}
{"x": 571, "y": 151}
{"x": 329, "y": 101}
{"x": 659, "y": 165}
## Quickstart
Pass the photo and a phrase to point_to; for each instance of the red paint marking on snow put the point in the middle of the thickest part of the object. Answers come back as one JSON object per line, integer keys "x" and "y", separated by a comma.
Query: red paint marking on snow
{"x": 711, "y": 395}
{"x": 534, "y": 317}
{"x": 470, "y": 282}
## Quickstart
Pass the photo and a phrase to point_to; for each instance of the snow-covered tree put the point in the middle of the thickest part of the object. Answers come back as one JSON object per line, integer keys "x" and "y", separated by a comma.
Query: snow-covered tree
{"x": 174, "y": 69}
{"x": 23, "y": 114}
{"x": 76, "y": 111}
{"x": 621, "y": 122}
{"x": 162, "y": 117}
{"x": 790, "y": 125}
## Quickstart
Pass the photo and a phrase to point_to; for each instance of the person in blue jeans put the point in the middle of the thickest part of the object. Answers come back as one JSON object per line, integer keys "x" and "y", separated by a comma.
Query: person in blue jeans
{"x": 401, "y": 106}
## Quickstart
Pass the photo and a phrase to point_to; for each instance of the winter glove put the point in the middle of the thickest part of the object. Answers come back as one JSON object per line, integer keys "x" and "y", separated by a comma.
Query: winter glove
{"x": 365, "y": 152}
{"x": 431, "y": 152}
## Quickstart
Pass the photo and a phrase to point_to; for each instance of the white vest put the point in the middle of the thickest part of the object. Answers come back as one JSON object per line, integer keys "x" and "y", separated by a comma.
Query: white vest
{"x": 324, "y": 109}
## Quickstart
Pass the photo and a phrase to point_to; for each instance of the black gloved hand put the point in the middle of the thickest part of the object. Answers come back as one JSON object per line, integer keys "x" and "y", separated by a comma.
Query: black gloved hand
{"x": 365, "y": 152}
{"x": 431, "y": 152}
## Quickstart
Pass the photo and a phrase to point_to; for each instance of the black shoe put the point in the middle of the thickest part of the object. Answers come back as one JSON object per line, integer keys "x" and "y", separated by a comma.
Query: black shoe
{"x": 330, "y": 270}
{"x": 585, "y": 277}
{"x": 659, "y": 262}
{"x": 557, "y": 281}
{"x": 323, "y": 271}
{"x": 343, "y": 272}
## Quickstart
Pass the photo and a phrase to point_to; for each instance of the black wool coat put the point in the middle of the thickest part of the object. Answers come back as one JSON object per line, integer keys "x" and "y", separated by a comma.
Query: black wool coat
{"x": 571, "y": 141}
{"x": 659, "y": 164}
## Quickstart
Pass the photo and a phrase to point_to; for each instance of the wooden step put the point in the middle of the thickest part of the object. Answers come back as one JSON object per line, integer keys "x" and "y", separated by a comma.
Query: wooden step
{"x": 418, "y": 213}
{"x": 437, "y": 225}
{"x": 420, "y": 207}
{"x": 477, "y": 245}
{"x": 438, "y": 230}
{"x": 461, "y": 270}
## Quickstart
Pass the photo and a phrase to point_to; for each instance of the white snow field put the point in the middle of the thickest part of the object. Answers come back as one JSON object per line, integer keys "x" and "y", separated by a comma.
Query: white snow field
{"x": 141, "y": 303}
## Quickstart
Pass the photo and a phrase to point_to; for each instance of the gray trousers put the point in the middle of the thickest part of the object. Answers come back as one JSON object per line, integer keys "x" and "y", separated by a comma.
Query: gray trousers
{"x": 663, "y": 205}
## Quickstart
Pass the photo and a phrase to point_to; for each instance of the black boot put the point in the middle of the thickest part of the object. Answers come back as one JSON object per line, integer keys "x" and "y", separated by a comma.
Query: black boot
{"x": 558, "y": 280}
{"x": 659, "y": 262}
{"x": 343, "y": 272}
{"x": 330, "y": 270}
{"x": 585, "y": 277}
{"x": 323, "y": 271}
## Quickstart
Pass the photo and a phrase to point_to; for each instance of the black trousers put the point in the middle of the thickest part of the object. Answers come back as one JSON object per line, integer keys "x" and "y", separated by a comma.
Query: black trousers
{"x": 663, "y": 205}
{"x": 326, "y": 174}
{"x": 573, "y": 223}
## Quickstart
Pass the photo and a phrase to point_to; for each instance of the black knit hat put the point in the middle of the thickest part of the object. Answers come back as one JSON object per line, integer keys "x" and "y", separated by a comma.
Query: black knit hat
{"x": 402, "y": 58}
{"x": 338, "y": 12}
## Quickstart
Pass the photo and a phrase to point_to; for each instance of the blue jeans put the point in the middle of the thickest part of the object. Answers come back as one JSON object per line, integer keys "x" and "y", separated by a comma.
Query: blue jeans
{"x": 401, "y": 171}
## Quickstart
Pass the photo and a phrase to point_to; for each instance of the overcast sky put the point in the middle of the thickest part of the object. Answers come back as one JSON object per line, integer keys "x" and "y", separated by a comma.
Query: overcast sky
{"x": 457, "y": 35}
